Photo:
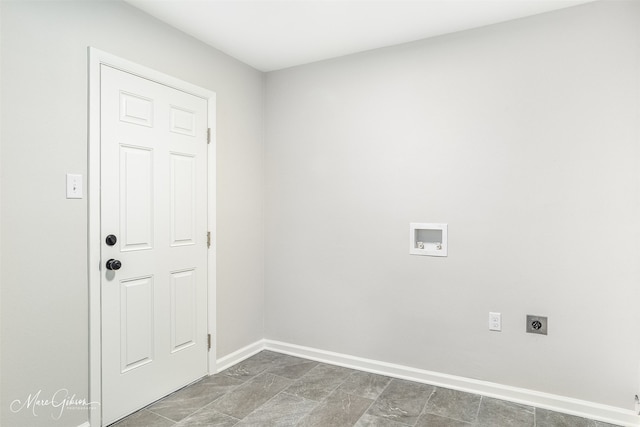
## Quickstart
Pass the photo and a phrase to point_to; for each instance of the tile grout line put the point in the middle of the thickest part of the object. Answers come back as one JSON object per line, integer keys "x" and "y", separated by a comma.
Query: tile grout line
{"x": 371, "y": 404}
{"x": 355, "y": 395}
{"x": 272, "y": 397}
{"x": 424, "y": 411}
{"x": 333, "y": 389}
{"x": 188, "y": 415}
{"x": 318, "y": 403}
{"x": 376, "y": 399}
{"x": 478, "y": 411}
{"x": 211, "y": 403}
{"x": 159, "y": 415}
{"x": 381, "y": 393}
{"x": 147, "y": 408}
{"x": 259, "y": 407}
{"x": 339, "y": 385}
{"x": 424, "y": 406}
{"x": 266, "y": 371}
{"x": 365, "y": 411}
{"x": 244, "y": 383}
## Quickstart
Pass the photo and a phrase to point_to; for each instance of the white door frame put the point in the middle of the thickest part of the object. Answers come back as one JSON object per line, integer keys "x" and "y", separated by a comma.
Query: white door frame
{"x": 96, "y": 59}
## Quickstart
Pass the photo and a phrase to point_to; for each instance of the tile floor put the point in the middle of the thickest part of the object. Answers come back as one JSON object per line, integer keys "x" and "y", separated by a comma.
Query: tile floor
{"x": 272, "y": 389}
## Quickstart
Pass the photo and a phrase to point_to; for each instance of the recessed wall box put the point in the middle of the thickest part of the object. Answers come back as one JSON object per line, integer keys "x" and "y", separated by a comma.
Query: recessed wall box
{"x": 428, "y": 239}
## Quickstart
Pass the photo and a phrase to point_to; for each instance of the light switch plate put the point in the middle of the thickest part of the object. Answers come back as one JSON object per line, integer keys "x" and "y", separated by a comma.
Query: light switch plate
{"x": 74, "y": 186}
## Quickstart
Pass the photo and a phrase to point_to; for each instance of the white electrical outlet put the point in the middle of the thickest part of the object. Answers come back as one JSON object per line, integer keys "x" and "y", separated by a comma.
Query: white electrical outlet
{"x": 495, "y": 321}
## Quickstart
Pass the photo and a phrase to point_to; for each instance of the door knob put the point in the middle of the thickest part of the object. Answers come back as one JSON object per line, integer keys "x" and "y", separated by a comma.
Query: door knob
{"x": 113, "y": 264}
{"x": 111, "y": 240}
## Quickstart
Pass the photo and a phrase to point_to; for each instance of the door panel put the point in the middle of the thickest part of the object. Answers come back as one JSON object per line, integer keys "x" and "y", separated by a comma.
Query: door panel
{"x": 183, "y": 309}
{"x": 136, "y": 197}
{"x": 154, "y": 200}
{"x": 183, "y": 121}
{"x": 136, "y": 323}
{"x": 183, "y": 175}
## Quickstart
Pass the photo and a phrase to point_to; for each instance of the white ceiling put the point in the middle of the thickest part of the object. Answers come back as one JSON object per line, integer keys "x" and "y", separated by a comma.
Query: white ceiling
{"x": 271, "y": 35}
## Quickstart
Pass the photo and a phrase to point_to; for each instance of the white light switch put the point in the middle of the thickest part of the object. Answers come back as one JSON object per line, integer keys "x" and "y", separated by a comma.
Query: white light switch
{"x": 74, "y": 186}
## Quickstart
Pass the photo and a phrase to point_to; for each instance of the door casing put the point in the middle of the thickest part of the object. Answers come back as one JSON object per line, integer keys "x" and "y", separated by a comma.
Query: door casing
{"x": 96, "y": 58}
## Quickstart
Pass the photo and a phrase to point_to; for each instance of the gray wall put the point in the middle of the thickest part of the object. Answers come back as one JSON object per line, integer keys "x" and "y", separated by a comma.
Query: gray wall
{"x": 524, "y": 138}
{"x": 44, "y": 136}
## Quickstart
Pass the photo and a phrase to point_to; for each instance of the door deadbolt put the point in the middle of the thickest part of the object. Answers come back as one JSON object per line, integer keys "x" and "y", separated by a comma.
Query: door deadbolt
{"x": 111, "y": 240}
{"x": 113, "y": 264}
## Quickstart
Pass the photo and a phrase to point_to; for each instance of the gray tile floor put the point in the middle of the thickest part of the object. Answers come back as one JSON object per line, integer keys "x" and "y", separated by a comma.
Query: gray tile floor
{"x": 272, "y": 389}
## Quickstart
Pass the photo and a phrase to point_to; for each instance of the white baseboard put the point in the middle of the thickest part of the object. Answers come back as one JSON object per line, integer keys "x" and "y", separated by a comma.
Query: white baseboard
{"x": 239, "y": 355}
{"x": 85, "y": 424}
{"x": 581, "y": 408}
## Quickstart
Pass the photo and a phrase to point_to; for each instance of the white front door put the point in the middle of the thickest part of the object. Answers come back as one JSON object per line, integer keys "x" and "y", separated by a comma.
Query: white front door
{"x": 154, "y": 228}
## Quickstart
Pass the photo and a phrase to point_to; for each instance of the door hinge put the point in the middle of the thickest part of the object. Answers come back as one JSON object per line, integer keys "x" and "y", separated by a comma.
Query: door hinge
{"x": 208, "y": 135}
{"x": 208, "y": 239}
{"x": 208, "y": 341}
